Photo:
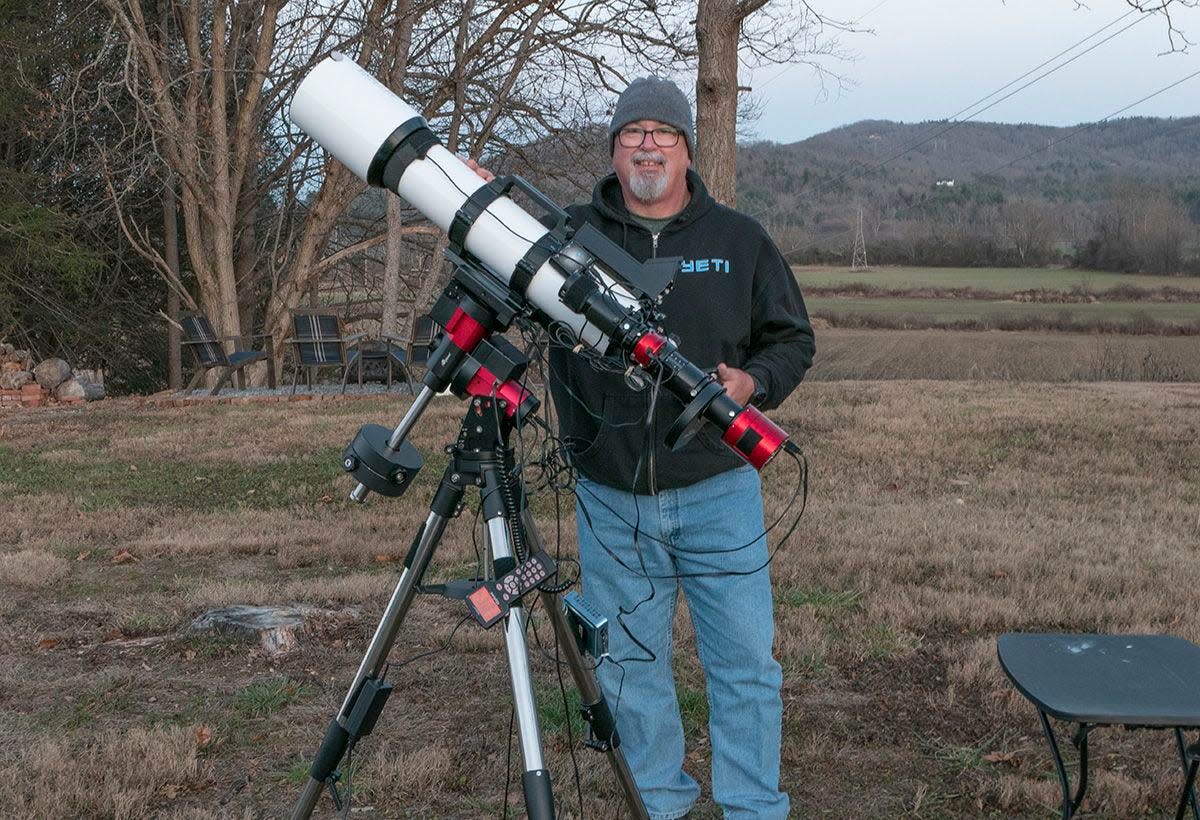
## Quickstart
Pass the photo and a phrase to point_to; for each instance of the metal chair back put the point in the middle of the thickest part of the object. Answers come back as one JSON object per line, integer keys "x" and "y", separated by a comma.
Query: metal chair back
{"x": 318, "y": 338}
{"x": 204, "y": 341}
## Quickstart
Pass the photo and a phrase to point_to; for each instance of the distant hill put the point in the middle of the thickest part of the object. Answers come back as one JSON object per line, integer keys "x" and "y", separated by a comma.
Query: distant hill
{"x": 809, "y": 192}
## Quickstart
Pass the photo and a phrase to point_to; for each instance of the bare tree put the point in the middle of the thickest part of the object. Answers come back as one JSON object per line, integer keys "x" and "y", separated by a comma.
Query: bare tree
{"x": 259, "y": 202}
{"x": 1029, "y": 226}
{"x": 1176, "y": 37}
{"x": 754, "y": 32}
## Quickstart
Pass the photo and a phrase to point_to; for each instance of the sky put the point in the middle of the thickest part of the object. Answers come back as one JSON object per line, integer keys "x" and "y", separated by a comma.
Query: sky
{"x": 927, "y": 59}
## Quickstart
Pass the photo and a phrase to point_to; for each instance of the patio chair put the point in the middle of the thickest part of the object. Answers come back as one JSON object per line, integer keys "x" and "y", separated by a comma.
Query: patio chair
{"x": 318, "y": 340}
{"x": 210, "y": 354}
{"x": 409, "y": 353}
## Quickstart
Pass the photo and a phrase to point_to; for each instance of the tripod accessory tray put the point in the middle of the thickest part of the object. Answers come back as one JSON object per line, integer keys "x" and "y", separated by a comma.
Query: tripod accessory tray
{"x": 491, "y": 600}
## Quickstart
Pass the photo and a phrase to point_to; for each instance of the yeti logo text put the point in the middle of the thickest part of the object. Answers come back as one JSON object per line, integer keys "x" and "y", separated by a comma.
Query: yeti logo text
{"x": 704, "y": 266}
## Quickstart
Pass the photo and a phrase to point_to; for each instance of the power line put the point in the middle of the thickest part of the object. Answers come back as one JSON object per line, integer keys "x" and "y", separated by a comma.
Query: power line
{"x": 862, "y": 169}
{"x": 955, "y": 123}
{"x": 1043, "y": 64}
{"x": 1082, "y": 128}
{"x": 871, "y": 10}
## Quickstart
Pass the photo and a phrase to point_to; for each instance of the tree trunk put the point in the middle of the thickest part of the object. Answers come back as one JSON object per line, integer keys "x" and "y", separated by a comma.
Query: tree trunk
{"x": 718, "y": 33}
{"x": 718, "y": 27}
{"x": 171, "y": 254}
{"x": 389, "y": 322}
{"x": 431, "y": 282}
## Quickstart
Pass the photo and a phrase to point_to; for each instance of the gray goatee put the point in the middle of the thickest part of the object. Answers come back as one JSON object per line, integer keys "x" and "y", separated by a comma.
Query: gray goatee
{"x": 643, "y": 188}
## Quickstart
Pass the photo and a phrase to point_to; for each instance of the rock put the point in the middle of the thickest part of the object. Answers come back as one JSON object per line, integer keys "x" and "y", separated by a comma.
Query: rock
{"x": 69, "y": 390}
{"x": 276, "y": 628}
{"x": 51, "y": 373}
{"x": 15, "y": 380}
{"x": 92, "y": 391}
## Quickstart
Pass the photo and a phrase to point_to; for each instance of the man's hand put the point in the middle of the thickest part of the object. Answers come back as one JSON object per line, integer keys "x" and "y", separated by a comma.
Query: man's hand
{"x": 487, "y": 175}
{"x": 737, "y": 383}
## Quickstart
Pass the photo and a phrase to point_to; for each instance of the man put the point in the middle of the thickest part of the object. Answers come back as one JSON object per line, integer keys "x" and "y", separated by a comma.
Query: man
{"x": 651, "y": 521}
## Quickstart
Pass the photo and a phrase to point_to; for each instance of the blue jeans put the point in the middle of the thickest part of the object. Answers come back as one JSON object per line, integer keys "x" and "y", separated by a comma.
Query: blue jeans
{"x": 682, "y": 531}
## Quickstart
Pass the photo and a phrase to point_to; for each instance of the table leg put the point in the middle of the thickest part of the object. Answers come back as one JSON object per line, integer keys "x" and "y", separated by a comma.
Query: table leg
{"x": 1069, "y": 805}
{"x": 1080, "y": 741}
{"x": 1189, "y": 756}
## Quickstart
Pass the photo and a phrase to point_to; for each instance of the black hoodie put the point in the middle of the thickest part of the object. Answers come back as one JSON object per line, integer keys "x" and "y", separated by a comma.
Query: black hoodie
{"x": 735, "y": 301}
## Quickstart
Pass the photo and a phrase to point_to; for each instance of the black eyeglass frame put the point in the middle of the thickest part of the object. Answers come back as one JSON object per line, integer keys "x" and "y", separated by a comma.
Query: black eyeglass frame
{"x": 664, "y": 131}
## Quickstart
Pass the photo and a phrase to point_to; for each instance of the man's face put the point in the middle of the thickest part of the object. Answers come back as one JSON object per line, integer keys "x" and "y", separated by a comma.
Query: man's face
{"x": 648, "y": 172}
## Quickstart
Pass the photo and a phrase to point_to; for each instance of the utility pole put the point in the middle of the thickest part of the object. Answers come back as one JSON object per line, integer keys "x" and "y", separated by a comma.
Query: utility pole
{"x": 859, "y": 261}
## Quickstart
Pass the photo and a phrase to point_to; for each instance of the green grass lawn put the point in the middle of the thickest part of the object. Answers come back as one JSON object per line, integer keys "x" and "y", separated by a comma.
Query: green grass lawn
{"x": 994, "y": 279}
{"x": 943, "y": 312}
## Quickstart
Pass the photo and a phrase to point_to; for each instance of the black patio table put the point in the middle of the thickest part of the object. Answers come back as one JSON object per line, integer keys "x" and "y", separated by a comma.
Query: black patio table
{"x": 1136, "y": 681}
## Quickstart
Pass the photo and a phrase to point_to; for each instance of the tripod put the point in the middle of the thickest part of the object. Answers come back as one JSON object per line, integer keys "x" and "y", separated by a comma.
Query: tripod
{"x": 480, "y": 456}
{"x": 485, "y": 369}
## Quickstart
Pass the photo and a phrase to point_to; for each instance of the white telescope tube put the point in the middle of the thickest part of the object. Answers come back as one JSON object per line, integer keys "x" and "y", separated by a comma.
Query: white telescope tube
{"x": 353, "y": 116}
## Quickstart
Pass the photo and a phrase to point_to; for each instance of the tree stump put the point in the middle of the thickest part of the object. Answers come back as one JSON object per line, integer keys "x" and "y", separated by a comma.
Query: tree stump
{"x": 276, "y": 628}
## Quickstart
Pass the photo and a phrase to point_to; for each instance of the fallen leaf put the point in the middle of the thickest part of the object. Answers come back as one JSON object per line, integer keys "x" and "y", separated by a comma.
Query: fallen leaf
{"x": 47, "y": 643}
{"x": 1003, "y": 757}
{"x": 124, "y": 557}
{"x": 133, "y": 468}
{"x": 189, "y": 655}
{"x": 169, "y": 791}
{"x": 325, "y": 499}
{"x": 83, "y": 556}
{"x": 999, "y": 574}
{"x": 204, "y": 736}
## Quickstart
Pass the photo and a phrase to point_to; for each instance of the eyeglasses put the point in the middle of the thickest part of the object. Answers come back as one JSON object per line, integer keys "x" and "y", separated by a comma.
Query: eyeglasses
{"x": 632, "y": 137}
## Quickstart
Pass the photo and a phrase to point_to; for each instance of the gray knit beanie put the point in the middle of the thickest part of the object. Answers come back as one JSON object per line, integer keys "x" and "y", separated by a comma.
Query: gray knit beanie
{"x": 653, "y": 98}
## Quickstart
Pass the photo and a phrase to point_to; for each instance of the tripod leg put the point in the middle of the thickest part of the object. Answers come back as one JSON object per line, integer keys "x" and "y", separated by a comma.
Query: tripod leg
{"x": 595, "y": 708}
{"x": 345, "y": 728}
{"x": 539, "y": 799}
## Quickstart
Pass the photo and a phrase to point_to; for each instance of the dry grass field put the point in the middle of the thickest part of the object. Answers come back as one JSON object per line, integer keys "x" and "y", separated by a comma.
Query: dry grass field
{"x": 942, "y": 514}
{"x": 868, "y": 353}
{"x": 1002, "y": 280}
{"x": 1008, "y": 299}
{"x": 1168, "y": 318}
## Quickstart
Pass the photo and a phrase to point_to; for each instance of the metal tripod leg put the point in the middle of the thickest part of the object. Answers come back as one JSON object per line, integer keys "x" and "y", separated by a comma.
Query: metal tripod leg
{"x": 535, "y": 781}
{"x": 339, "y": 734}
{"x": 591, "y": 698}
